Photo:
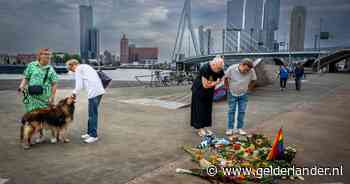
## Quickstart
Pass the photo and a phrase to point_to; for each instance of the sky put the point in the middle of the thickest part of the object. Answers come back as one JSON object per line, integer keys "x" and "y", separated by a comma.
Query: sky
{"x": 26, "y": 25}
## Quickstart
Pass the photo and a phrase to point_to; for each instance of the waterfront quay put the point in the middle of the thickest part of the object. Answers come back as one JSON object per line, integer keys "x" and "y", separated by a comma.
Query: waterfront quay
{"x": 143, "y": 143}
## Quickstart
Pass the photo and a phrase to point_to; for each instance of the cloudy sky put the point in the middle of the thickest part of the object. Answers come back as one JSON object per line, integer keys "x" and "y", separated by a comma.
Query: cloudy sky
{"x": 26, "y": 25}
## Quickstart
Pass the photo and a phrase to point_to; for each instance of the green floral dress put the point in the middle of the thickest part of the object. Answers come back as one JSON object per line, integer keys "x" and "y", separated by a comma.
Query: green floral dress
{"x": 35, "y": 74}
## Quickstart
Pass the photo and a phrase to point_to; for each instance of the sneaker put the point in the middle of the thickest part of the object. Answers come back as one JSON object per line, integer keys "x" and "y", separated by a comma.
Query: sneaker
{"x": 209, "y": 132}
{"x": 53, "y": 140}
{"x": 242, "y": 132}
{"x": 39, "y": 140}
{"x": 91, "y": 140}
{"x": 201, "y": 132}
{"x": 229, "y": 131}
{"x": 85, "y": 136}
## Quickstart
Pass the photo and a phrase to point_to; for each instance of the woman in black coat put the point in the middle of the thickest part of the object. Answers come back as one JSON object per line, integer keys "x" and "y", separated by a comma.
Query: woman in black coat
{"x": 210, "y": 74}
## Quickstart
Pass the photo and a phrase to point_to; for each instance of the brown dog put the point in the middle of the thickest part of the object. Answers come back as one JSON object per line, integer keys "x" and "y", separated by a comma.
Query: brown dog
{"x": 56, "y": 118}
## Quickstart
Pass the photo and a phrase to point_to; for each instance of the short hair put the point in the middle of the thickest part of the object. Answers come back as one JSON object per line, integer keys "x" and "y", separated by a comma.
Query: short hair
{"x": 248, "y": 62}
{"x": 218, "y": 61}
{"x": 41, "y": 51}
{"x": 72, "y": 62}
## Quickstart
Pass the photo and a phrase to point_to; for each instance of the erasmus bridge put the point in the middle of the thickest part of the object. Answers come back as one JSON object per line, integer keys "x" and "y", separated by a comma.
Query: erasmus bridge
{"x": 218, "y": 40}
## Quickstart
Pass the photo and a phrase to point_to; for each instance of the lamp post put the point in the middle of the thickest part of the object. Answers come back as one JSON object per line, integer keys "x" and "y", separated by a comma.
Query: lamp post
{"x": 319, "y": 48}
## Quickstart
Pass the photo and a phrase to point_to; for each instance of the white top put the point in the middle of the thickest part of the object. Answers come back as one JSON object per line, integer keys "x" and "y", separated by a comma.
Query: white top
{"x": 238, "y": 81}
{"x": 86, "y": 77}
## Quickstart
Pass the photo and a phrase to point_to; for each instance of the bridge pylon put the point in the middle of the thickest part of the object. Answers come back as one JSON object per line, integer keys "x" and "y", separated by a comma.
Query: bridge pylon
{"x": 185, "y": 22}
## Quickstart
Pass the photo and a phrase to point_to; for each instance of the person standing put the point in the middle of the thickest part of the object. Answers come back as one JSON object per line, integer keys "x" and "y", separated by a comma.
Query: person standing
{"x": 210, "y": 74}
{"x": 298, "y": 73}
{"x": 39, "y": 73}
{"x": 39, "y": 85}
{"x": 87, "y": 77}
{"x": 239, "y": 78}
{"x": 284, "y": 74}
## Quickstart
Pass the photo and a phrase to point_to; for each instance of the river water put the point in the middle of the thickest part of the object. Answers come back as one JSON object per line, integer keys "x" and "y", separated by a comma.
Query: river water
{"x": 117, "y": 75}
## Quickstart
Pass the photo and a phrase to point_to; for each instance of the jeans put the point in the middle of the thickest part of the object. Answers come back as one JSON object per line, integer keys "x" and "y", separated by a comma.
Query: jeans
{"x": 233, "y": 103}
{"x": 93, "y": 115}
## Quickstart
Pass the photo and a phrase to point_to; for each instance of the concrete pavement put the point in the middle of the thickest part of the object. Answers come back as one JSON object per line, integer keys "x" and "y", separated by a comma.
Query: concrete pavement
{"x": 142, "y": 144}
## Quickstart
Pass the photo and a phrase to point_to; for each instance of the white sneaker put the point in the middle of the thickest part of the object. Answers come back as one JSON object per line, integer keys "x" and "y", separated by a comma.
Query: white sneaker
{"x": 201, "y": 132}
{"x": 209, "y": 132}
{"x": 85, "y": 136}
{"x": 91, "y": 140}
{"x": 39, "y": 140}
{"x": 242, "y": 132}
{"x": 53, "y": 140}
{"x": 229, "y": 131}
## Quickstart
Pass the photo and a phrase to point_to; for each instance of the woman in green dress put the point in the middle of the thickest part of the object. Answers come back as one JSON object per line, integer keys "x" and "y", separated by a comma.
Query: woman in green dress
{"x": 41, "y": 73}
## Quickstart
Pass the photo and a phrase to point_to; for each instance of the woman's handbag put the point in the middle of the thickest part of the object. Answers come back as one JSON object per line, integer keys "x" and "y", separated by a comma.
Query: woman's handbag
{"x": 105, "y": 79}
{"x": 38, "y": 89}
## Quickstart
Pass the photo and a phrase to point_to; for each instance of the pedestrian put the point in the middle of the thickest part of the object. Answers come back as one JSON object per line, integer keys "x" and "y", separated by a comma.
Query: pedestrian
{"x": 210, "y": 74}
{"x": 283, "y": 74}
{"x": 39, "y": 85}
{"x": 240, "y": 78}
{"x": 87, "y": 77}
{"x": 298, "y": 74}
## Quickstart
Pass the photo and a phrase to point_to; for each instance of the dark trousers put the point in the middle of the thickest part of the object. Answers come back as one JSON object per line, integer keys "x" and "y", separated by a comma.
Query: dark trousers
{"x": 297, "y": 84}
{"x": 93, "y": 115}
{"x": 283, "y": 83}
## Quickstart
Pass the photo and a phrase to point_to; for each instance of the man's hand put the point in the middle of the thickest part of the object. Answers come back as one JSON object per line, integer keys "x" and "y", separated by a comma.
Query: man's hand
{"x": 74, "y": 96}
{"x": 20, "y": 89}
{"x": 252, "y": 86}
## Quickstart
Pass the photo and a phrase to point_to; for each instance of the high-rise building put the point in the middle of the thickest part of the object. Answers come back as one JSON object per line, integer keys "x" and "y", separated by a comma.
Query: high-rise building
{"x": 201, "y": 39}
{"x": 297, "y": 28}
{"x": 209, "y": 41}
{"x": 270, "y": 20}
{"x": 252, "y": 24}
{"x": 86, "y": 23}
{"x": 206, "y": 42}
{"x": 124, "y": 50}
{"x": 94, "y": 43}
{"x": 107, "y": 58}
{"x": 234, "y": 20}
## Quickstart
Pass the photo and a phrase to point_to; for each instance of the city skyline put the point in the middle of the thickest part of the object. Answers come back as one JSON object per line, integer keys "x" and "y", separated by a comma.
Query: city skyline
{"x": 28, "y": 25}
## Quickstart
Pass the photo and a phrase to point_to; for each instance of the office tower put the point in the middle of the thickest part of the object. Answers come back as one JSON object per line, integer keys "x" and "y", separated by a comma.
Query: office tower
{"x": 86, "y": 23}
{"x": 94, "y": 44}
{"x": 124, "y": 50}
{"x": 201, "y": 40}
{"x": 252, "y": 24}
{"x": 297, "y": 28}
{"x": 270, "y": 21}
{"x": 234, "y": 20}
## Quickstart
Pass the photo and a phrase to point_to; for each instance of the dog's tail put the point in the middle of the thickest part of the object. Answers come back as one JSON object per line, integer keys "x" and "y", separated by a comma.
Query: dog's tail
{"x": 23, "y": 121}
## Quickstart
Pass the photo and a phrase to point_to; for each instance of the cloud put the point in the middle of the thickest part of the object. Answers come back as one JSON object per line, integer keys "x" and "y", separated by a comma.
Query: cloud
{"x": 29, "y": 24}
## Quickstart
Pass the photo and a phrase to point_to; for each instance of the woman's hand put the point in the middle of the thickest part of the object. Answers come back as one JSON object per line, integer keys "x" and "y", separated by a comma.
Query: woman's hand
{"x": 22, "y": 85}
